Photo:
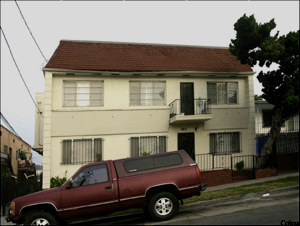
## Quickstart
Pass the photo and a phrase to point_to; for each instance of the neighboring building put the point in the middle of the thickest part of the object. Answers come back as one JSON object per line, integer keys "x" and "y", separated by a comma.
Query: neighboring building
{"x": 12, "y": 147}
{"x": 289, "y": 137}
{"x": 117, "y": 100}
{"x": 263, "y": 119}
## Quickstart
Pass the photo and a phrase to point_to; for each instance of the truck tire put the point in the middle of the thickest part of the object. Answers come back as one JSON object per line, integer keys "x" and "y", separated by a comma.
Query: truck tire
{"x": 163, "y": 206}
{"x": 40, "y": 218}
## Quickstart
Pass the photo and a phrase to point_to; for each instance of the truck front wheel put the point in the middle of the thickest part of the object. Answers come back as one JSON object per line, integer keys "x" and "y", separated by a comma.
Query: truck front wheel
{"x": 163, "y": 206}
{"x": 40, "y": 218}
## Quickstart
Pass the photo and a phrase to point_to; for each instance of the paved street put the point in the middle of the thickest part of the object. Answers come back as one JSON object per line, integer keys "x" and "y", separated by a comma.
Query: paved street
{"x": 273, "y": 208}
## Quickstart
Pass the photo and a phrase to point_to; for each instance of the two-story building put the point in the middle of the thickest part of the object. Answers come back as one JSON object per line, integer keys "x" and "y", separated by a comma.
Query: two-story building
{"x": 116, "y": 100}
{"x": 14, "y": 150}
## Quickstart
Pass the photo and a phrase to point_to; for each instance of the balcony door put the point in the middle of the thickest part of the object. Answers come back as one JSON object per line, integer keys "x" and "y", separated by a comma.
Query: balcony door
{"x": 187, "y": 98}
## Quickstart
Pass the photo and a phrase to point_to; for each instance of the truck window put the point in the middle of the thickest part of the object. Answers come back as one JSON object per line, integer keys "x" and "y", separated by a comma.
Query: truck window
{"x": 152, "y": 162}
{"x": 91, "y": 175}
{"x": 138, "y": 165}
{"x": 167, "y": 160}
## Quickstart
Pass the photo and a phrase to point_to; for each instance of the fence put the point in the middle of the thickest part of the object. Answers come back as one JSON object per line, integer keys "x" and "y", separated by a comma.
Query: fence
{"x": 243, "y": 167}
{"x": 212, "y": 161}
{"x": 286, "y": 143}
{"x": 12, "y": 188}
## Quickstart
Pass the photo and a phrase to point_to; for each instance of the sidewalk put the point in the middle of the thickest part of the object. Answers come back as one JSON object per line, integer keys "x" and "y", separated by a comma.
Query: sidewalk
{"x": 231, "y": 185}
{"x": 246, "y": 182}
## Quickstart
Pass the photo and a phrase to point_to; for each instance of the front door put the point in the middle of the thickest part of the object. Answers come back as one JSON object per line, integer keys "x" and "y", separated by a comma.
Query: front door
{"x": 186, "y": 141}
{"x": 187, "y": 98}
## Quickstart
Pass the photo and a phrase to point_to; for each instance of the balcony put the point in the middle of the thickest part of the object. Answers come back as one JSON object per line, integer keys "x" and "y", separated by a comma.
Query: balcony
{"x": 287, "y": 126}
{"x": 190, "y": 111}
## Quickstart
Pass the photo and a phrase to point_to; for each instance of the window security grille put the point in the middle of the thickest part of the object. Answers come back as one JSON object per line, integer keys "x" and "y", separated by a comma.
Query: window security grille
{"x": 147, "y": 93}
{"x": 148, "y": 145}
{"x": 225, "y": 143}
{"x": 83, "y": 93}
{"x": 222, "y": 93}
{"x": 81, "y": 151}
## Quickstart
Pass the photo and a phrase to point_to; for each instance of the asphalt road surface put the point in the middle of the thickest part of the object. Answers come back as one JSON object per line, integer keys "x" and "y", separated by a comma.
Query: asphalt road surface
{"x": 279, "y": 207}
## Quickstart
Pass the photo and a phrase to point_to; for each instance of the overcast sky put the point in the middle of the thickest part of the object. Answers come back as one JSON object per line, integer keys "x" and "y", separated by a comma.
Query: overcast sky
{"x": 185, "y": 23}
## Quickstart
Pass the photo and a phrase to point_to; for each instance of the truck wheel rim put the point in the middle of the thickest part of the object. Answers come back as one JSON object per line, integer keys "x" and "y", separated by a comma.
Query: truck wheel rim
{"x": 40, "y": 221}
{"x": 163, "y": 206}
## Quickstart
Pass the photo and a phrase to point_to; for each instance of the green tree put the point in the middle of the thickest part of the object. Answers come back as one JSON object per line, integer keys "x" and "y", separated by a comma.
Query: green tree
{"x": 255, "y": 44}
{"x": 257, "y": 97}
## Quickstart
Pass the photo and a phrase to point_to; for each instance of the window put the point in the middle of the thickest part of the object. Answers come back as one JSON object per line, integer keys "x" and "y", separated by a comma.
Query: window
{"x": 267, "y": 115}
{"x": 81, "y": 151}
{"x": 91, "y": 175}
{"x": 83, "y": 93}
{"x": 267, "y": 118}
{"x": 225, "y": 143}
{"x": 147, "y": 93}
{"x": 148, "y": 145}
{"x": 222, "y": 93}
{"x": 5, "y": 149}
{"x": 10, "y": 152}
{"x": 152, "y": 163}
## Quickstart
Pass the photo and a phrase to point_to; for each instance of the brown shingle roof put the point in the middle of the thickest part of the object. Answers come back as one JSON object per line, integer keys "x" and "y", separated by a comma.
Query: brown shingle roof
{"x": 80, "y": 55}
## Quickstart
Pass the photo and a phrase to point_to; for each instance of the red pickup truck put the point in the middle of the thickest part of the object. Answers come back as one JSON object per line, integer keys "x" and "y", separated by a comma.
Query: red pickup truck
{"x": 155, "y": 183}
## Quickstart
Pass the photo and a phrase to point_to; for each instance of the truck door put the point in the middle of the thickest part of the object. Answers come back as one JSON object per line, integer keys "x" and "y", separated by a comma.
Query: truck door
{"x": 91, "y": 192}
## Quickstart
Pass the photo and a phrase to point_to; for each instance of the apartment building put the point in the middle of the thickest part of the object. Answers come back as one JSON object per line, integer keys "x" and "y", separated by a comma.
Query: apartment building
{"x": 107, "y": 100}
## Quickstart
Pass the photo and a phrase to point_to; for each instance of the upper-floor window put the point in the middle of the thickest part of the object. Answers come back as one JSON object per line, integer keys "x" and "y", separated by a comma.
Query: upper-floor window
{"x": 147, "y": 93}
{"x": 267, "y": 116}
{"x": 222, "y": 92}
{"x": 83, "y": 93}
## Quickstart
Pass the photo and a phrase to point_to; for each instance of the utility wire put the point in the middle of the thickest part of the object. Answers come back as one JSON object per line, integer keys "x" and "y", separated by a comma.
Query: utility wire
{"x": 30, "y": 31}
{"x": 7, "y": 123}
{"x": 20, "y": 72}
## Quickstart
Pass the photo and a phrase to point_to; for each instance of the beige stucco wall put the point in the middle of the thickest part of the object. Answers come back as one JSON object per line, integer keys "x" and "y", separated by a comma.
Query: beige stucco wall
{"x": 39, "y": 122}
{"x": 116, "y": 121}
{"x": 16, "y": 144}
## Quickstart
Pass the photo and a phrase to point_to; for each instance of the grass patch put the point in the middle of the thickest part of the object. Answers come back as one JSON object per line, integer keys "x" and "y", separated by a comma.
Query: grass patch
{"x": 245, "y": 189}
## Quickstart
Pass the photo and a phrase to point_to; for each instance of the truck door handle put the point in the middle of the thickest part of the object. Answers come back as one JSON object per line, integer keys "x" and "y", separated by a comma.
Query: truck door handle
{"x": 108, "y": 187}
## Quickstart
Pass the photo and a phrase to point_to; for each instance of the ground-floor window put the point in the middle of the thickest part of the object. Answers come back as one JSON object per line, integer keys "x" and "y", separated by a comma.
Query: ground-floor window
{"x": 225, "y": 143}
{"x": 148, "y": 145}
{"x": 81, "y": 151}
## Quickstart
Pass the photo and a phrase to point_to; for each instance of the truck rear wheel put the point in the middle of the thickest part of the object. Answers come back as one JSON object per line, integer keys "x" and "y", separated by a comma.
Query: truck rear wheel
{"x": 40, "y": 218}
{"x": 163, "y": 206}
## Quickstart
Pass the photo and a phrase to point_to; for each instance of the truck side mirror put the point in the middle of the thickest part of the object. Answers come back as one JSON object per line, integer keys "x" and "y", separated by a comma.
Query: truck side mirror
{"x": 70, "y": 185}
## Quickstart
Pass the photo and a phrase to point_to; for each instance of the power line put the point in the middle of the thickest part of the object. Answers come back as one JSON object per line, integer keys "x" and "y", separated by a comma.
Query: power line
{"x": 30, "y": 31}
{"x": 7, "y": 123}
{"x": 20, "y": 72}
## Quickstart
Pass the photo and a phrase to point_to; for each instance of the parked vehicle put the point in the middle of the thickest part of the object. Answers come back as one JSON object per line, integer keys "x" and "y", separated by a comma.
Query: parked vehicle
{"x": 155, "y": 182}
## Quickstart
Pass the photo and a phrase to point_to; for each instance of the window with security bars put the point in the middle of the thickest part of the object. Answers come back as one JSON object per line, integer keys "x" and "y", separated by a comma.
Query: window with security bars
{"x": 83, "y": 93}
{"x": 81, "y": 151}
{"x": 147, "y": 93}
{"x": 222, "y": 93}
{"x": 148, "y": 145}
{"x": 225, "y": 143}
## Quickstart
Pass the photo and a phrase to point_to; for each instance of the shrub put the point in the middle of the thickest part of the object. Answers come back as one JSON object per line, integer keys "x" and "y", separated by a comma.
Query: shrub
{"x": 240, "y": 165}
{"x": 57, "y": 181}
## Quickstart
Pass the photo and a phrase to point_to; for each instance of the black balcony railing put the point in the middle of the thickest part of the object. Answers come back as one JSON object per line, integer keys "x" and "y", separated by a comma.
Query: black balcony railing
{"x": 190, "y": 107}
